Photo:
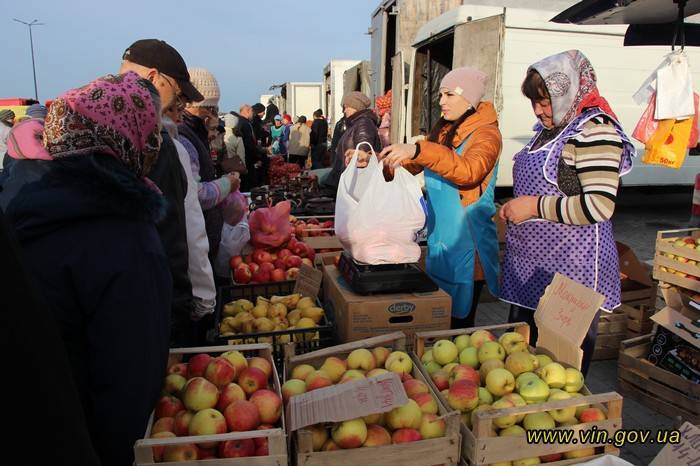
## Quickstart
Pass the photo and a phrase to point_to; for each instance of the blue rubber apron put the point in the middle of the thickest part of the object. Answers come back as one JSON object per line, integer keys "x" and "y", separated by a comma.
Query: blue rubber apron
{"x": 453, "y": 233}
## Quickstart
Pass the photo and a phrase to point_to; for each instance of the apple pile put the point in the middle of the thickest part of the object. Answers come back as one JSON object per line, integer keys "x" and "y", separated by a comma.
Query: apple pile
{"x": 273, "y": 264}
{"x": 416, "y": 420}
{"x": 311, "y": 227}
{"x": 688, "y": 243}
{"x": 214, "y": 395}
{"x": 477, "y": 372}
{"x": 277, "y": 313}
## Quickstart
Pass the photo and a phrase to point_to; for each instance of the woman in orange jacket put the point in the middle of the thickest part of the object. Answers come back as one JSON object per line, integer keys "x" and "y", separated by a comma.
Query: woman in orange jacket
{"x": 459, "y": 159}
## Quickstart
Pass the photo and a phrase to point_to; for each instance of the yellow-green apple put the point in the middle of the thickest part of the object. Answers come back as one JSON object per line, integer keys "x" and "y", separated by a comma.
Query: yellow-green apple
{"x": 197, "y": 365}
{"x": 464, "y": 372}
{"x": 377, "y": 436}
{"x": 488, "y": 366}
{"x": 449, "y": 367}
{"x": 561, "y": 414}
{"x": 399, "y": 362}
{"x": 469, "y": 356}
{"x": 461, "y": 342}
{"x": 427, "y": 357}
{"x": 441, "y": 379}
{"x": 582, "y": 453}
{"x": 512, "y": 431}
{"x": 164, "y": 424}
{"x": 316, "y": 380}
{"x": 491, "y": 350}
{"x": 524, "y": 377}
{"x": 293, "y": 387}
{"x": 503, "y": 422}
{"x": 526, "y": 461}
{"x": 350, "y": 434}
{"x": 500, "y": 382}
{"x": 262, "y": 364}
{"x": 252, "y": 379}
{"x": 158, "y": 450}
{"x": 182, "y": 423}
{"x": 405, "y": 436}
{"x": 302, "y": 371}
{"x": 319, "y": 435}
{"x": 574, "y": 380}
{"x": 591, "y": 415}
{"x": 581, "y": 407}
{"x": 406, "y": 416}
{"x": 463, "y": 395}
{"x": 278, "y": 310}
{"x": 534, "y": 421}
{"x": 519, "y": 362}
{"x": 512, "y": 342}
{"x": 534, "y": 390}
{"x": 375, "y": 372}
{"x": 426, "y": 402}
{"x": 485, "y": 396}
{"x": 380, "y": 354}
{"x": 330, "y": 445}
{"x": 269, "y": 405}
{"x": 207, "y": 422}
{"x": 237, "y": 359}
{"x": 445, "y": 352}
{"x": 334, "y": 367}
{"x": 220, "y": 372}
{"x": 414, "y": 387}
{"x": 543, "y": 359}
{"x": 377, "y": 418}
{"x": 554, "y": 374}
{"x": 517, "y": 401}
{"x": 173, "y": 384}
{"x": 182, "y": 452}
{"x": 352, "y": 374}
{"x": 242, "y": 415}
{"x": 432, "y": 427}
{"x": 480, "y": 337}
{"x": 179, "y": 369}
{"x": 551, "y": 457}
{"x": 168, "y": 406}
{"x": 237, "y": 448}
{"x": 432, "y": 367}
{"x": 361, "y": 358}
{"x": 569, "y": 422}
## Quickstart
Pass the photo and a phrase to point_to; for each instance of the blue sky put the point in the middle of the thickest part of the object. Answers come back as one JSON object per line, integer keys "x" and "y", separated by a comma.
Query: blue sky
{"x": 248, "y": 45}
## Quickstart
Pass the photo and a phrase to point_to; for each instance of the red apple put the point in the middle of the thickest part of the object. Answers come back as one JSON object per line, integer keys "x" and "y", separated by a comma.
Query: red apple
{"x": 241, "y": 416}
{"x": 206, "y": 453}
{"x": 168, "y": 406}
{"x": 235, "y": 261}
{"x": 426, "y": 403}
{"x": 292, "y": 261}
{"x": 252, "y": 379}
{"x": 267, "y": 267}
{"x": 405, "y": 436}
{"x": 158, "y": 451}
{"x": 591, "y": 415}
{"x": 292, "y": 273}
{"x": 242, "y": 274}
{"x": 279, "y": 264}
{"x": 262, "y": 364}
{"x": 414, "y": 386}
{"x": 465, "y": 372}
{"x": 237, "y": 448}
{"x": 179, "y": 369}
{"x": 269, "y": 405}
{"x": 229, "y": 394}
{"x": 182, "y": 452}
{"x": 261, "y": 256}
{"x": 164, "y": 424}
{"x": 278, "y": 275}
{"x": 441, "y": 379}
{"x": 182, "y": 423}
{"x": 220, "y": 372}
{"x": 262, "y": 450}
{"x": 253, "y": 267}
{"x": 310, "y": 253}
{"x": 199, "y": 394}
{"x": 198, "y": 364}
{"x": 551, "y": 458}
{"x": 261, "y": 276}
{"x": 283, "y": 253}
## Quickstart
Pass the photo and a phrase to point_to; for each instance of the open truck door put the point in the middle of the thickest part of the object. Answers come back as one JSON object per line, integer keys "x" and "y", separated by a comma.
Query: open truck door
{"x": 398, "y": 99}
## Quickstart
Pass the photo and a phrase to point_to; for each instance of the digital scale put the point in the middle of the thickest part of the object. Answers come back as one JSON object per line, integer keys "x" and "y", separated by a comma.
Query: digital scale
{"x": 367, "y": 279}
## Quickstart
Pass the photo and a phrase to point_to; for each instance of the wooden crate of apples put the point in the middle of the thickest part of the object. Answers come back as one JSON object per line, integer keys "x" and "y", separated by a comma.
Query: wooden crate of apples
{"x": 677, "y": 258}
{"x": 266, "y": 265}
{"x": 502, "y": 389}
{"x": 422, "y": 432}
{"x": 218, "y": 402}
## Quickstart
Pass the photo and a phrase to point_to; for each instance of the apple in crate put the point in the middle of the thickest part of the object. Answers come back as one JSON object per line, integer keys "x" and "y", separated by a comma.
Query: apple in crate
{"x": 179, "y": 369}
{"x": 407, "y": 416}
{"x": 207, "y": 422}
{"x": 183, "y": 452}
{"x": 220, "y": 372}
{"x": 197, "y": 365}
{"x": 293, "y": 387}
{"x": 164, "y": 424}
{"x": 173, "y": 384}
{"x": 362, "y": 359}
{"x": 463, "y": 395}
{"x": 168, "y": 406}
{"x": 229, "y": 394}
{"x": 242, "y": 416}
{"x": 158, "y": 451}
{"x": 350, "y": 434}
{"x": 334, "y": 367}
{"x": 237, "y": 448}
{"x": 316, "y": 380}
{"x": 198, "y": 394}
{"x": 405, "y": 436}
{"x": 591, "y": 415}
{"x": 302, "y": 371}
{"x": 432, "y": 427}
{"x": 269, "y": 405}
{"x": 237, "y": 359}
{"x": 242, "y": 274}
{"x": 262, "y": 364}
{"x": 377, "y": 436}
{"x": 182, "y": 423}
{"x": 414, "y": 386}
{"x": 252, "y": 379}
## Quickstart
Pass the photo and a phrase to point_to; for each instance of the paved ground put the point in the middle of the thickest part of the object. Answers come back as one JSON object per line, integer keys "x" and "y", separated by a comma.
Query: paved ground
{"x": 639, "y": 215}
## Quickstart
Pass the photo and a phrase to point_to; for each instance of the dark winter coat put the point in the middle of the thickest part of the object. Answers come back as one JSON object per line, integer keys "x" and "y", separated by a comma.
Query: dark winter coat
{"x": 253, "y": 153}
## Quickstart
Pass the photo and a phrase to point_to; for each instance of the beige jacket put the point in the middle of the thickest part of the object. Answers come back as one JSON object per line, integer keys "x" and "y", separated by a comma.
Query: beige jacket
{"x": 299, "y": 140}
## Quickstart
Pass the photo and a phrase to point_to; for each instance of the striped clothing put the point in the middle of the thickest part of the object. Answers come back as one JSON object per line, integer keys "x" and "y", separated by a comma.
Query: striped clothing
{"x": 210, "y": 193}
{"x": 594, "y": 158}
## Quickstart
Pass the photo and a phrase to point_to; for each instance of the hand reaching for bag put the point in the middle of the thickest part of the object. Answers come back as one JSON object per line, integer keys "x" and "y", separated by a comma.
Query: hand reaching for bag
{"x": 362, "y": 157}
{"x": 235, "y": 180}
{"x": 394, "y": 154}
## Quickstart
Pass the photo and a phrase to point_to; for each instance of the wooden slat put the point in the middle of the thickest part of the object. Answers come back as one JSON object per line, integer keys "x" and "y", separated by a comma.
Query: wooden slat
{"x": 655, "y": 403}
{"x": 662, "y": 391}
{"x": 422, "y": 337}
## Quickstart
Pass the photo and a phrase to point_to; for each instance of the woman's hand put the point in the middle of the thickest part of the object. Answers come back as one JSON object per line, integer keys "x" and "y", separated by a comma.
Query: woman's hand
{"x": 235, "y": 180}
{"x": 362, "y": 157}
{"x": 520, "y": 209}
{"x": 397, "y": 153}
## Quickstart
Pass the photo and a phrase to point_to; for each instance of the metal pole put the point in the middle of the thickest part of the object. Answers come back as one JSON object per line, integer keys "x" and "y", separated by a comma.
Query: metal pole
{"x": 31, "y": 45}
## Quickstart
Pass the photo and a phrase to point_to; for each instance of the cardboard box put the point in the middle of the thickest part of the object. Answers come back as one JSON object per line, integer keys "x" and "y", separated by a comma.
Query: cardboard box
{"x": 674, "y": 348}
{"x": 638, "y": 286}
{"x": 360, "y": 317}
{"x": 684, "y": 452}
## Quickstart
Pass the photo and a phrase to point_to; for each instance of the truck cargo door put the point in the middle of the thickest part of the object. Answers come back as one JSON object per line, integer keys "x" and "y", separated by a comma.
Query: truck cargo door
{"x": 398, "y": 99}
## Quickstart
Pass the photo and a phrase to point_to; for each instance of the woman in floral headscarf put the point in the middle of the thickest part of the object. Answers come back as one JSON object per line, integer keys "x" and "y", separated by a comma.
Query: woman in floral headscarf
{"x": 565, "y": 183}
{"x": 85, "y": 214}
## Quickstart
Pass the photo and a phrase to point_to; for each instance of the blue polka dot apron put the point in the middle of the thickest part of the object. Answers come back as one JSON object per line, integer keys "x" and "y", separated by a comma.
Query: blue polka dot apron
{"x": 454, "y": 233}
{"x": 538, "y": 248}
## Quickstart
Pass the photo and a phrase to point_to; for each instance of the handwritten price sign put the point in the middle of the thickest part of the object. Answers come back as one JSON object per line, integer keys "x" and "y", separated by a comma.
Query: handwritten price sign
{"x": 684, "y": 453}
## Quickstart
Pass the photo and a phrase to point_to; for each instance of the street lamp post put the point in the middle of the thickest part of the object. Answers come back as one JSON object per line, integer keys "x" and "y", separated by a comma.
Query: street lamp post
{"x": 31, "y": 45}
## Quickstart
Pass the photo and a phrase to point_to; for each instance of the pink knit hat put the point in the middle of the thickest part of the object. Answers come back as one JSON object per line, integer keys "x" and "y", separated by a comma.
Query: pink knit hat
{"x": 467, "y": 82}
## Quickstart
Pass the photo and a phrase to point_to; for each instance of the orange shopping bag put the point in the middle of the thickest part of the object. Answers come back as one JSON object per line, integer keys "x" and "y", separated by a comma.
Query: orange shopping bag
{"x": 669, "y": 143}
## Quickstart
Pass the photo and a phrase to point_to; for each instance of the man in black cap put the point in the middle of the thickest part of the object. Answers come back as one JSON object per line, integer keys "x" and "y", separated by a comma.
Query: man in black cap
{"x": 161, "y": 64}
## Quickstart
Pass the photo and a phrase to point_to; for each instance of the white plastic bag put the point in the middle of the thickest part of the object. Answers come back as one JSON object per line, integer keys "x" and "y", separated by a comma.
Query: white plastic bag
{"x": 673, "y": 85}
{"x": 377, "y": 220}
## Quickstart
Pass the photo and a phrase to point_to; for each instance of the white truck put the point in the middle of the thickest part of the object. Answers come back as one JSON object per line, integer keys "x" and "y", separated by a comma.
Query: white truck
{"x": 503, "y": 40}
{"x": 299, "y": 98}
{"x": 333, "y": 88}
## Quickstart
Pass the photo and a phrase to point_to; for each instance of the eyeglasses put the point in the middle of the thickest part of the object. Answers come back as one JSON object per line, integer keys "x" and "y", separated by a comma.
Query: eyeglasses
{"x": 179, "y": 98}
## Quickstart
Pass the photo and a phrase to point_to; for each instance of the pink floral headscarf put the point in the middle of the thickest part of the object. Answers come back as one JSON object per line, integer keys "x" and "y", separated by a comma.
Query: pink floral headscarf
{"x": 25, "y": 141}
{"x": 115, "y": 115}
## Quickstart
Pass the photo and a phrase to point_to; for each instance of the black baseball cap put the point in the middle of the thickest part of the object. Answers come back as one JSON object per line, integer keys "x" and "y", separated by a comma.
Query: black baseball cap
{"x": 155, "y": 53}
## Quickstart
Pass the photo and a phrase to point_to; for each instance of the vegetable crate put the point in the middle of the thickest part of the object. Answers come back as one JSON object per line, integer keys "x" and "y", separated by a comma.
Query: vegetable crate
{"x": 143, "y": 449}
{"x": 306, "y": 340}
{"x": 481, "y": 446}
{"x": 444, "y": 450}
{"x": 677, "y": 260}
{"x": 638, "y": 319}
{"x": 612, "y": 329}
{"x": 653, "y": 386}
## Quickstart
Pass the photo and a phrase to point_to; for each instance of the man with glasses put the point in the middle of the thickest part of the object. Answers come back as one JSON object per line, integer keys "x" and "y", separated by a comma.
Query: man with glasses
{"x": 161, "y": 64}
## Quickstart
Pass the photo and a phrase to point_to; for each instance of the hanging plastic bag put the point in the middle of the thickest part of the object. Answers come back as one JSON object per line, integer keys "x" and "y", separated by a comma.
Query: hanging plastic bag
{"x": 674, "y": 89}
{"x": 270, "y": 227}
{"x": 668, "y": 145}
{"x": 647, "y": 125}
{"x": 377, "y": 220}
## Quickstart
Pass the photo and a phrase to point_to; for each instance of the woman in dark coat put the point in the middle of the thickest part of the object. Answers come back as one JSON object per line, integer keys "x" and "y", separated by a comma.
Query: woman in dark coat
{"x": 85, "y": 215}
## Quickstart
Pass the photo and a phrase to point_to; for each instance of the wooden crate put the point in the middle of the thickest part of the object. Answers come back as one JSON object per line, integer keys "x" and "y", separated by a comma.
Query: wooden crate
{"x": 445, "y": 450}
{"x": 639, "y": 318}
{"x": 612, "y": 329}
{"x": 664, "y": 245}
{"x": 480, "y": 448}
{"x": 277, "y": 445}
{"x": 656, "y": 388}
